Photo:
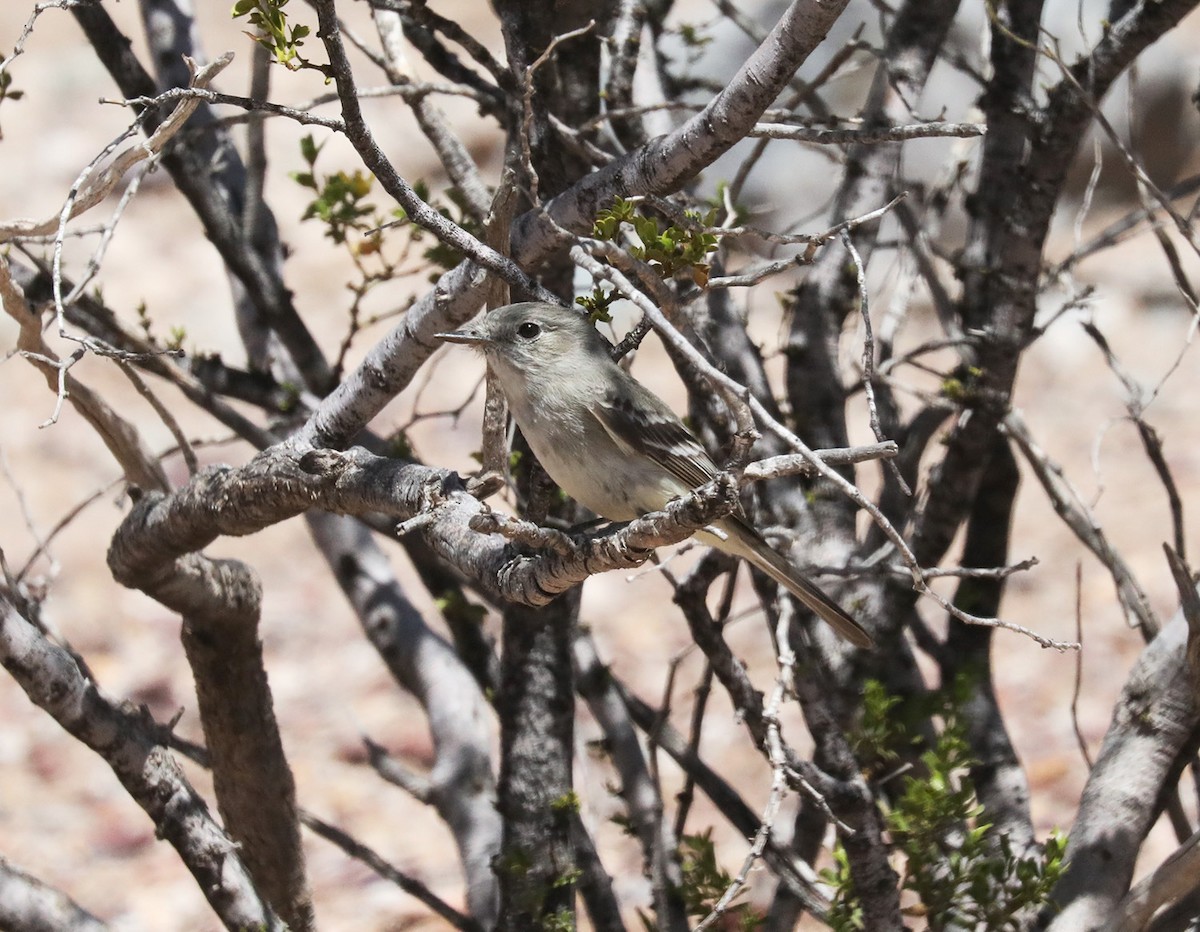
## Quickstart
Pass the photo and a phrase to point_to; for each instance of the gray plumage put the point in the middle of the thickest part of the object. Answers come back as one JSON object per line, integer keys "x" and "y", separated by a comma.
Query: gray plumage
{"x": 609, "y": 442}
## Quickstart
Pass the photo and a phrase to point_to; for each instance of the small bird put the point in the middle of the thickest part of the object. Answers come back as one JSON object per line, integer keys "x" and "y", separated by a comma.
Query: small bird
{"x": 609, "y": 442}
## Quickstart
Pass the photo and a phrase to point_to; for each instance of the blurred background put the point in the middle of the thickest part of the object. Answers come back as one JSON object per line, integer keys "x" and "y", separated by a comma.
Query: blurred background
{"x": 63, "y": 816}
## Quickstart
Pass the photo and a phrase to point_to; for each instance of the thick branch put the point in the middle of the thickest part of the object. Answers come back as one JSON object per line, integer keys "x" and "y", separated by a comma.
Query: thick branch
{"x": 133, "y": 746}
{"x": 28, "y": 905}
{"x": 280, "y": 483}
{"x": 460, "y": 785}
{"x": 1153, "y": 720}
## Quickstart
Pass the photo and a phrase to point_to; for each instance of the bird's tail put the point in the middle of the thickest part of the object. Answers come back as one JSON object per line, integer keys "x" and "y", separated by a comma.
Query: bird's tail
{"x": 743, "y": 541}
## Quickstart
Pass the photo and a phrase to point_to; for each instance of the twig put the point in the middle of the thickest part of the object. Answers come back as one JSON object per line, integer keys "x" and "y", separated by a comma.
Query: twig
{"x": 1079, "y": 519}
{"x": 88, "y": 192}
{"x": 978, "y": 572}
{"x": 868, "y": 356}
{"x": 250, "y": 105}
{"x": 61, "y": 525}
{"x": 1136, "y": 403}
{"x": 165, "y": 415}
{"x": 418, "y": 786}
{"x": 27, "y": 29}
{"x": 1119, "y": 230}
{"x": 523, "y": 532}
{"x": 786, "y": 664}
{"x": 812, "y": 240}
{"x": 1135, "y": 166}
{"x": 866, "y": 136}
{"x": 40, "y": 543}
{"x": 408, "y": 884}
{"x": 1077, "y": 688}
{"x": 419, "y": 211}
{"x": 527, "y": 103}
{"x": 803, "y": 92}
{"x": 795, "y": 464}
{"x": 968, "y": 618}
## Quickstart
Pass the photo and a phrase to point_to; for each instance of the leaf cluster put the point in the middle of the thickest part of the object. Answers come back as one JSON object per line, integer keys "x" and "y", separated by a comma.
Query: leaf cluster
{"x": 341, "y": 203}
{"x": 598, "y": 304}
{"x": 962, "y": 872}
{"x": 274, "y": 32}
{"x": 705, "y": 882}
{"x": 673, "y": 250}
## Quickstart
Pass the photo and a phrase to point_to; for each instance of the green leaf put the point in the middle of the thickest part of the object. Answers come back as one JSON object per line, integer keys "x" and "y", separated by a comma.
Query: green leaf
{"x": 309, "y": 150}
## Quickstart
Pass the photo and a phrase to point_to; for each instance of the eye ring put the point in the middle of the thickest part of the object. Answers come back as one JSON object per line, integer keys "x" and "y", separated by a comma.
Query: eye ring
{"x": 528, "y": 330}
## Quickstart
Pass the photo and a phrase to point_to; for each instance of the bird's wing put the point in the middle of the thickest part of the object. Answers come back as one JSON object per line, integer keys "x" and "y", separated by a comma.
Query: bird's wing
{"x": 641, "y": 424}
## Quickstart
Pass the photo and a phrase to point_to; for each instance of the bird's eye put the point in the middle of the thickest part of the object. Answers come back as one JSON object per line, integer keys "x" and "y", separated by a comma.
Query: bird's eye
{"x": 528, "y": 330}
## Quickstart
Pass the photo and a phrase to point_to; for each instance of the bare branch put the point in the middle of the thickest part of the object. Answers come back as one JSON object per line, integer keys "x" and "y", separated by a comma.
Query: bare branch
{"x": 796, "y": 464}
{"x": 1170, "y": 882}
{"x": 418, "y": 211}
{"x": 89, "y": 191}
{"x": 1152, "y": 721}
{"x": 1070, "y": 508}
{"x": 28, "y": 904}
{"x": 122, "y": 438}
{"x": 866, "y": 136}
{"x": 131, "y": 744}
{"x": 388, "y": 872}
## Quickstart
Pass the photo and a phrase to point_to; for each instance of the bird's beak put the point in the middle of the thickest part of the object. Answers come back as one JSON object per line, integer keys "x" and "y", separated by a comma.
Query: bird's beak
{"x": 466, "y": 337}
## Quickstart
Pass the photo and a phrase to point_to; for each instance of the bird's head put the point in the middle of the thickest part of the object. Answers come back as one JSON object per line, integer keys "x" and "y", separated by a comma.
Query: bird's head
{"x": 533, "y": 339}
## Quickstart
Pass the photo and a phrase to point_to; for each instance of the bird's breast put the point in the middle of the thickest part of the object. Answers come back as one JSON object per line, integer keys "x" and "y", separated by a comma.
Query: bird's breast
{"x": 579, "y": 455}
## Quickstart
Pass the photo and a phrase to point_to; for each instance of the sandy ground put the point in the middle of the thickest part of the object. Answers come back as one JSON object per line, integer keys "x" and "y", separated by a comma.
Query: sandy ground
{"x": 63, "y": 816}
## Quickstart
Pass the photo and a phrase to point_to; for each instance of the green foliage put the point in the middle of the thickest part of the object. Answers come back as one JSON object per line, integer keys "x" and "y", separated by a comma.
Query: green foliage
{"x": 874, "y": 741}
{"x": 695, "y": 39}
{"x": 568, "y": 802}
{"x": 608, "y": 221}
{"x": 675, "y": 250}
{"x": 518, "y": 864}
{"x": 692, "y": 36}
{"x": 845, "y": 914}
{"x": 340, "y": 201}
{"x": 561, "y": 921}
{"x": 625, "y": 823}
{"x": 567, "y": 878}
{"x": 290, "y": 399}
{"x": 7, "y": 91}
{"x": 963, "y": 386}
{"x": 399, "y": 446}
{"x": 705, "y": 882}
{"x": 963, "y": 873}
{"x": 145, "y": 322}
{"x": 274, "y": 32}
{"x": 597, "y": 304}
